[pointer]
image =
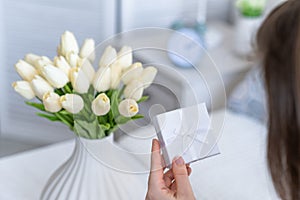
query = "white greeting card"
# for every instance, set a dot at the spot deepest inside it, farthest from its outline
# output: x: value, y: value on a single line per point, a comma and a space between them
x: 184, y: 132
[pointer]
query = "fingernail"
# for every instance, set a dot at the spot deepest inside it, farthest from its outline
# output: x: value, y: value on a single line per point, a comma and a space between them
x: 179, y: 161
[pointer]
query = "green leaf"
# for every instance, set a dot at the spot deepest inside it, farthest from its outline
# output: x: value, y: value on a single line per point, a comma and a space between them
x: 113, y: 129
x: 49, y: 117
x: 79, y: 116
x: 105, y: 127
x: 65, y: 120
x: 122, y: 120
x: 142, y: 99
x: 70, y: 86
x: 64, y: 112
x: 91, y: 90
x: 67, y: 89
x: 115, y: 103
x: 114, y: 110
x: 80, y: 131
x: 102, y: 119
x: 109, y: 93
x: 59, y: 92
x: 100, y: 132
x: 38, y: 106
x: 92, y: 129
x: 67, y: 115
x: 137, y: 117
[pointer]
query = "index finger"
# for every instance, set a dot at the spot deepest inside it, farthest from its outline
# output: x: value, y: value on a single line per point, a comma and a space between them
x: 156, y: 172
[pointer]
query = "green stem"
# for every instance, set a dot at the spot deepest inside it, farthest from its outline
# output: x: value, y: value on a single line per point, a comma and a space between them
x: 59, y: 92
x: 64, y: 120
x: 67, y: 89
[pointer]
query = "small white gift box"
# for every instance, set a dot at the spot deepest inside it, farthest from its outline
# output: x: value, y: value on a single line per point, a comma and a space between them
x: 184, y: 132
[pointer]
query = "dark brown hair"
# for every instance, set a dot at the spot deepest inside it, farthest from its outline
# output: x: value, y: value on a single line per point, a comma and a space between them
x: 278, y: 43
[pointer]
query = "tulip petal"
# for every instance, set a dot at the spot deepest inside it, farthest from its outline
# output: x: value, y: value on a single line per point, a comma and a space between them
x: 101, y: 105
x: 128, y: 108
x: 56, y: 77
x: 61, y: 63
x: 31, y: 58
x: 102, y: 79
x: 133, y: 72
x: 88, y: 50
x: 134, y: 90
x: 116, y: 71
x: 24, y: 89
x: 79, y: 80
x: 72, y: 103
x: 40, y: 86
x: 108, y: 57
x: 42, y: 62
x: 87, y: 68
x: 148, y: 75
x: 68, y: 43
x: 125, y: 57
x: 51, y: 102
x: 25, y: 70
x: 72, y: 59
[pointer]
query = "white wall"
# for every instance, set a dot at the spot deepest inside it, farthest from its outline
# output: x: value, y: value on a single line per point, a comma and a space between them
x: 35, y: 26
x: 141, y: 13
x: 273, y: 3
x: 2, y: 57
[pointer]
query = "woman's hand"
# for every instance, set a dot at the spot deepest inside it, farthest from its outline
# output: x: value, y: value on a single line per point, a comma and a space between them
x: 172, y: 185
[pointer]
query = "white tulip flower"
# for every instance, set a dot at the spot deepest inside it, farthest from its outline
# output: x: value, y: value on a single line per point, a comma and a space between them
x: 79, y: 80
x: 125, y: 57
x: 25, y: 70
x: 31, y: 58
x: 148, y: 75
x: 24, y: 89
x: 134, y: 90
x: 128, y: 108
x: 56, y: 77
x: 51, y: 102
x: 88, y: 49
x: 87, y: 68
x: 61, y: 63
x: 133, y: 72
x: 102, y: 79
x: 40, y: 86
x: 116, y: 72
x: 108, y: 57
x: 72, y: 59
x: 68, y: 43
x: 101, y: 105
x: 42, y: 62
x: 72, y: 103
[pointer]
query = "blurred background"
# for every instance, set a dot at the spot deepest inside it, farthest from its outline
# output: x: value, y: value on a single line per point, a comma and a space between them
x: 36, y: 25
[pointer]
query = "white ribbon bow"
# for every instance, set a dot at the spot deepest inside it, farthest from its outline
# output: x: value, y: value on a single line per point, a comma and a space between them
x: 187, y: 142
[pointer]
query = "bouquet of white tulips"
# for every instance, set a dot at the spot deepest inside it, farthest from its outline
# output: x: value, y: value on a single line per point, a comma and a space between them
x: 91, y: 103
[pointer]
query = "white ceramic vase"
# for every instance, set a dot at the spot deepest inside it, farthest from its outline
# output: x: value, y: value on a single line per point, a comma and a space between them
x: 245, y: 34
x: 81, y: 176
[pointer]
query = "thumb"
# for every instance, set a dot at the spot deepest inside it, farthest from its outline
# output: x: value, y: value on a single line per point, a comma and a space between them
x: 180, y: 172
